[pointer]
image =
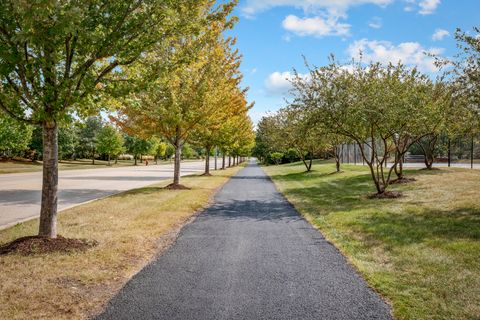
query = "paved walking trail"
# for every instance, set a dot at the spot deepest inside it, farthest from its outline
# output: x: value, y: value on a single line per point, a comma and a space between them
x: 249, y: 256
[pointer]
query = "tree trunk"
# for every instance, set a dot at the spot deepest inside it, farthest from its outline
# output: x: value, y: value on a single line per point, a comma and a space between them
x: 399, y: 166
x: 109, y: 160
x: 223, y: 161
x: 176, y: 165
x: 116, y: 159
x: 216, y: 158
x: 229, y: 161
x: 48, y: 211
x: 207, y: 161
x: 135, y: 157
x: 93, y: 156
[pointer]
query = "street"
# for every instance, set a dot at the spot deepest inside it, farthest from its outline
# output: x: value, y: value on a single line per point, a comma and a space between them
x: 20, y: 193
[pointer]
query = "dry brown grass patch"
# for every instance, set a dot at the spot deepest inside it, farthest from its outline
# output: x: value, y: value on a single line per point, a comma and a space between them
x: 130, y: 228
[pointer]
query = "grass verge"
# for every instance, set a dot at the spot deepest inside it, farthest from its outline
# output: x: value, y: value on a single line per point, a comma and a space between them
x: 22, y: 166
x: 421, y: 251
x: 131, y: 229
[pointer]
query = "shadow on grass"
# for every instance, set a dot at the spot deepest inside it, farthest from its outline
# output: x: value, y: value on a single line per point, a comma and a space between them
x: 340, y: 191
x: 427, y: 225
x: 324, y: 194
x: 143, y: 191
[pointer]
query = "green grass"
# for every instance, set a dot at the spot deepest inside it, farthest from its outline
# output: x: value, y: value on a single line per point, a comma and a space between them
x: 421, y: 251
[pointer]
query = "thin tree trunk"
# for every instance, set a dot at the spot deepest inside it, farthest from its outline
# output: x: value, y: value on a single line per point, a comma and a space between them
x: 207, y: 161
x: 223, y: 161
x: 93, y: 156
x: 109, y: 159
x: 176, y: 166
x: 216, y: 158
x: 48, y: 211
x: 116, y: 159
x: 135, y: 157
x: 229, y: 161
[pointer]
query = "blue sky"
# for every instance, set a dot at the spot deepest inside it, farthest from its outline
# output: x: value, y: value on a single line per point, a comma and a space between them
x: 274, y: 34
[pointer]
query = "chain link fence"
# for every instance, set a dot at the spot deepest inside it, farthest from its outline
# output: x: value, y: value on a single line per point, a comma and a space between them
x: 461, y: 152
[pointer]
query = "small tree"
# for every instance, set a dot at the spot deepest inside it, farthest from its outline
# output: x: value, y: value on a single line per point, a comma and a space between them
x: 110, y: 142
x: 277, y: 157
x: 137, y: 146
x: 14, y: 136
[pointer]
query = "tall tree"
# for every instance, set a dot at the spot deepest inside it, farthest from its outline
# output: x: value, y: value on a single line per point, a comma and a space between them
x: 174, y: 102
x: 57, y: 54
x: 109, y: 142
x: 88, y: 136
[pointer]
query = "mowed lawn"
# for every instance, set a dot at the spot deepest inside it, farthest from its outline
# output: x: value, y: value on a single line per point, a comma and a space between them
x: 421, y: 251
x: 15, y: 166
x: 131, y: 229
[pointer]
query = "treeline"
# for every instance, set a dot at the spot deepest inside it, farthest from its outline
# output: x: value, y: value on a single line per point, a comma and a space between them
x: 384, y: 110
x: 160, y: 69
x: 92, y: 138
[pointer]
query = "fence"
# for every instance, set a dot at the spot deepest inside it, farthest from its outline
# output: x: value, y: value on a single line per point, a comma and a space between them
x: 457, y: 152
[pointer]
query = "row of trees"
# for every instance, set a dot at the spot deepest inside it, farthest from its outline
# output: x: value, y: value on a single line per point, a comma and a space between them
x: 383, y: 109
x: 90, y: 139
x: 162, y: 68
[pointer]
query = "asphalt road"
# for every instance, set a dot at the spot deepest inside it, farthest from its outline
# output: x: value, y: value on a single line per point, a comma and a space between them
x: 20, y: 193
x: 248, y: 256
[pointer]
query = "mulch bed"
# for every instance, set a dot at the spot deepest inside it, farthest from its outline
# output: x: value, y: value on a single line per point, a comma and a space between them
x: 386, y: 195
x: 177, y: 187
x: 38, y: 245
x: 403, y: 181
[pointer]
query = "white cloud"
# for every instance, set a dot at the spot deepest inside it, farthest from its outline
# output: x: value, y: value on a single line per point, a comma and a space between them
x: 428, y: 6
x: 440, y: 34
x: 410, y: 53
x: 424, y: 7
x: 338, y: 6
x: 278, y: 83
x: 375, y: 23
x: 253, y: 71
x: 316, y: 26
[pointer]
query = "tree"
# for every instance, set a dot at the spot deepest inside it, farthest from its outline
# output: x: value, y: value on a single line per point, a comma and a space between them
x: 68, y: 141
x: 361, y: 103
x: 269, y: 138
x: 159, y: 149
x: 277, y: 157
x: 15, y: 136
x: 57, y: 55
x: 187, y: 151
x: 137, y: 146
x: 109, y: 142
x: 88, y: 136
x: 173, y: 100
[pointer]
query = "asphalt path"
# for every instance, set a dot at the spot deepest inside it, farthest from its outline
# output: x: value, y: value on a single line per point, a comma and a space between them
x: 248, y: 256
x: 20, y: 193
